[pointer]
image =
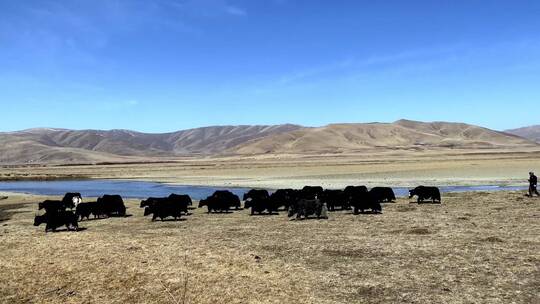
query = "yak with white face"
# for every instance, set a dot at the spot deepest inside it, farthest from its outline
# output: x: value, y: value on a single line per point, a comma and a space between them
x: 72, y: 199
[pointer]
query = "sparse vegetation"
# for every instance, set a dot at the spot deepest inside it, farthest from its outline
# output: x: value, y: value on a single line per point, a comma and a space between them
x: 424, y: 255
x: 330, y: 171
x: 419, y: 231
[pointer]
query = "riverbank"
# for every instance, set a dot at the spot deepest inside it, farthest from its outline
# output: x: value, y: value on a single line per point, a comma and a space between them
x: 143, y: 189
x: 475, y: 247
x: 329, y: 171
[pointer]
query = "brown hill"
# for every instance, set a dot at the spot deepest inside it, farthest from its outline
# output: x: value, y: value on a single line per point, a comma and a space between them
x: 93, y: 146
x: 400, y: 134
x: 15, y: 150
x: 530, y: 133
x: 61, y: 145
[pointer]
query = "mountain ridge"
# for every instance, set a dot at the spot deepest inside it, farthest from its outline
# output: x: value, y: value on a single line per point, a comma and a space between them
x: 528, y: 132
x: 57, y: 145
x: 352, y: 137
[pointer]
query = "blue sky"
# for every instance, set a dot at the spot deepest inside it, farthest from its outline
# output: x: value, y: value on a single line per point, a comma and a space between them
x: 165, y: 65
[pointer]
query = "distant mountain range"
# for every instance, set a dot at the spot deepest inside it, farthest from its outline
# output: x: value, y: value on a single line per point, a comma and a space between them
x: 89, y: 146
x: 96, y: 146
x: 530, y: 133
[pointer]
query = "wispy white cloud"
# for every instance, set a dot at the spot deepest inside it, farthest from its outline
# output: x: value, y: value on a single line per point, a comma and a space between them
x: 233, y: 10
x: 52, y: 26
x: 314, y: 71
x: 131, y: 102
x: 422, y: 61
x: 56, y: 34
x: 349, y: 64
x: 116, y: 105
x: 205, y: 8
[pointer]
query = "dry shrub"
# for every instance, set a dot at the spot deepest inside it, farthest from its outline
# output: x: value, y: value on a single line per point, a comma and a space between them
x: 405, y: 208
x: 493, y: 239
x: 348, y: 253
x: 419, y: 231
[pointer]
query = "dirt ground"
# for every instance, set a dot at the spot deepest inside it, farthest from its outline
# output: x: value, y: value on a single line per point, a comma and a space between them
x: 474, y: 248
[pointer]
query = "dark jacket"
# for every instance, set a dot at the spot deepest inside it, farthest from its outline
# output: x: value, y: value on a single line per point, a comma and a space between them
x: 533, y: 180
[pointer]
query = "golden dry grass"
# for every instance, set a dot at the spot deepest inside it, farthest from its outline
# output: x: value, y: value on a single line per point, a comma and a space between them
x: 474, y: 248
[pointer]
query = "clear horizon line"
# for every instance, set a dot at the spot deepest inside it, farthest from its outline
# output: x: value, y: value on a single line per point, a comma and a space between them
x: 254, y: 125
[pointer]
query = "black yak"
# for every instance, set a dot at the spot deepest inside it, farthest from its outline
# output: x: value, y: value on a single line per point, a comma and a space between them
x: 426, y: 193
x: 311, y: 192
x: 258, y: 201
x: 54, y: 206
x: 83, y: 210
x: 228, y: 196
x: 215, y: 204
x: 282, y: 198
x: 382, y: 194
x: 335, y: 198
x: 305, y: 208
x: 72, y: 199
x: 221, y: 200
x: 164, y: 210
x: 182, y: 200
x: 53, y: 220
x: 112, y: 204
x: 360, y: 200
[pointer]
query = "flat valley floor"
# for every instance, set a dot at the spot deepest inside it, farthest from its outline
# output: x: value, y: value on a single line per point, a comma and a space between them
x: 394, y: 168
x: 473, y: 248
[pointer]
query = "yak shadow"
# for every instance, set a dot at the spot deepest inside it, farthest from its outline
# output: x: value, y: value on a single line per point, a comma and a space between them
x: 365, y: 212
x: 425, y: 203
x: 337, y: 210
x: 119, y: 216
x: 264, y: 214
x: 169, y: 220
x: 92, y: 219
x: 105, y: 218
x: 63, y: 230
x: 309, y: 218
x: 220, y: 212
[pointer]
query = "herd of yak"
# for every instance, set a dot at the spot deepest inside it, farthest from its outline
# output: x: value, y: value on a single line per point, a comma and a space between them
x: 308, y: 201
x: 57, y: 213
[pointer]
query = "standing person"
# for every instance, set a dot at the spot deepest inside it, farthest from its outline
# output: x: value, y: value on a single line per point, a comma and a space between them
x: 533, y: 180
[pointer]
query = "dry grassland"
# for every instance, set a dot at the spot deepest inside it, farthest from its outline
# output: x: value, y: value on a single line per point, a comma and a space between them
x: 474, y: 248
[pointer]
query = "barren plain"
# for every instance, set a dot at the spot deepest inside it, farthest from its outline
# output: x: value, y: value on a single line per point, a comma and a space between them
x: 474, y: 248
